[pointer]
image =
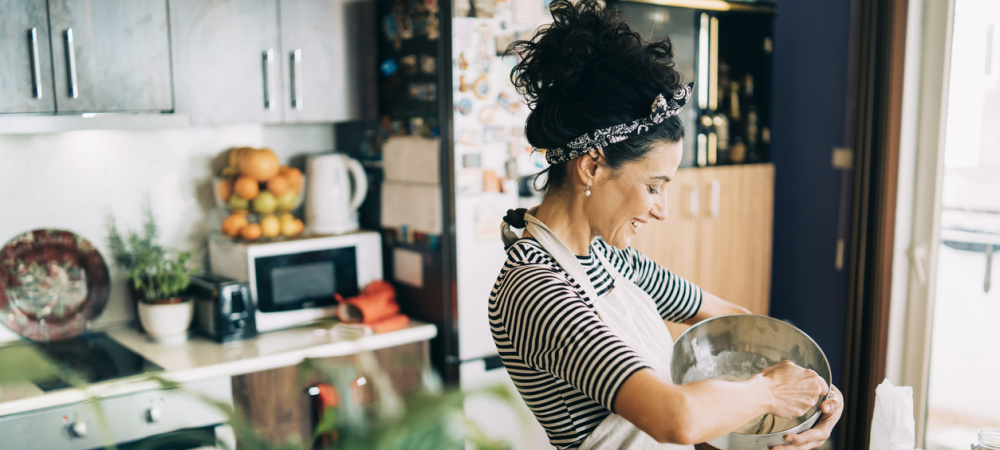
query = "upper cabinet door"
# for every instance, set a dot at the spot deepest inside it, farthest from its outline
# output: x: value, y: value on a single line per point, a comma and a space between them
x: 318, y: 62
x: 110, y: 55
x: 226, y: 60
x: 25, y: 58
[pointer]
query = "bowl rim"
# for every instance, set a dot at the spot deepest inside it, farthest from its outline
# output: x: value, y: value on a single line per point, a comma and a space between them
x: 826, y: 361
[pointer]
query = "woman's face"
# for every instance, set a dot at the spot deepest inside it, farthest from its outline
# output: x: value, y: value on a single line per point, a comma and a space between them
x: 623, y: 200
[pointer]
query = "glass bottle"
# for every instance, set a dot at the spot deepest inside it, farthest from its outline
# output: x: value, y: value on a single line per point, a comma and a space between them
x: 989, y: 439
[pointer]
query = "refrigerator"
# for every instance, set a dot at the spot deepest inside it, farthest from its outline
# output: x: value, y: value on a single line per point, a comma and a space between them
x: 447, y: 155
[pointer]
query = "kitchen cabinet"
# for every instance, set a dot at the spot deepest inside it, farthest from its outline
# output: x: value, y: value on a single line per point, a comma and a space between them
x: 264, y: 61
x: 718, y: 232
x: 25, y: 58
x: 110, y: 55
x: 277, y: 404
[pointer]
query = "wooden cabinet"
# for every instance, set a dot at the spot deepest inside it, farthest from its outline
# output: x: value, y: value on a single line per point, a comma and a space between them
x: 25, y: 58
x: 84, y: 56
x: 264, y: 61
x: 718, y: 232
x: 110, y: 55
x: 276, y: 402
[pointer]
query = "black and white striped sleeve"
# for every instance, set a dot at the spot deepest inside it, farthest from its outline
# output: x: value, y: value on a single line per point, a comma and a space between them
x: 676, y: 299
x: 553, y: 330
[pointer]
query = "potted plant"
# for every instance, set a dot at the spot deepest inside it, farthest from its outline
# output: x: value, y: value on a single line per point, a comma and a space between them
x: 157, y: 279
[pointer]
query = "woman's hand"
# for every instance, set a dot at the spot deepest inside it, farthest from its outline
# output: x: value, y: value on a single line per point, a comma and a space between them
x: 832, y: 408
x: 794, y: 389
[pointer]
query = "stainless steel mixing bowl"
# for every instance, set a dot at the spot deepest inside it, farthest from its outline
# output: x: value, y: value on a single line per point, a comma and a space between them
x: 737, y: 347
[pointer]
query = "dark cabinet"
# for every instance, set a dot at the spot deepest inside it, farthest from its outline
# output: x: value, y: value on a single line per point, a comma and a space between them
x: 110, y: 55
x: 25, y: 58
x: 78, y: 56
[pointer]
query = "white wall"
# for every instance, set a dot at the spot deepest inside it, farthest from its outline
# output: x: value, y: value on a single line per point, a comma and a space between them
x: 74, y: 180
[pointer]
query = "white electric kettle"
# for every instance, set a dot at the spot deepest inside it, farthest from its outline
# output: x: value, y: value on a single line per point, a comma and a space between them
x: 337, y: 185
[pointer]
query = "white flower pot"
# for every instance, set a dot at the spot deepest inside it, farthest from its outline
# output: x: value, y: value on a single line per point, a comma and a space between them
x: 167, y: 323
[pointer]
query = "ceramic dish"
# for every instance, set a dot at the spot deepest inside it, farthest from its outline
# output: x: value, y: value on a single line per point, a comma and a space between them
x: 53, y: 284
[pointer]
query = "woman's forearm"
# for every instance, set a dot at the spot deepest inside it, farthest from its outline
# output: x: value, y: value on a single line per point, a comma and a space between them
x: 695, y: 412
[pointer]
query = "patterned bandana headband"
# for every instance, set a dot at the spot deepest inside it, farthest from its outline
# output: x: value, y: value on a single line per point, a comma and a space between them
x: 662, y: 109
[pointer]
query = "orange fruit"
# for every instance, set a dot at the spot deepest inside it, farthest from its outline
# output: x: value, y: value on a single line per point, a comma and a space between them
x: 224, y: 189
x: 270, y: 225
x: 246, y: 187
x: 278, y: 185
x: 251, y: 232
x: 232, y: 225
x: 294, y: 177
x: 261, y: 164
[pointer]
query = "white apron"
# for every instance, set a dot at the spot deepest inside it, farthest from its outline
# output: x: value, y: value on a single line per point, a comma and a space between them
x: 631, y: 314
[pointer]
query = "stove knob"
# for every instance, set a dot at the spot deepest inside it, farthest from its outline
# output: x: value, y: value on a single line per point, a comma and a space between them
x: 78, y: 429
x: 152, y: 414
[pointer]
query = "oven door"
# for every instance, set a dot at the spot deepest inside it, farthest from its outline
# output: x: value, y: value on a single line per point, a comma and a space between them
x: 129, y: 419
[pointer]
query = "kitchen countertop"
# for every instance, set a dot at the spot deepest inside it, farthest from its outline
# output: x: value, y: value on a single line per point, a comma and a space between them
x: 200, y: 358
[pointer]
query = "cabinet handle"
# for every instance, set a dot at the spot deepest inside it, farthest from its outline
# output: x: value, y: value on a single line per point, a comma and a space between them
x: 716, y: 194
x: 74, y: 92
x: 296, y: 72
x: 268, y: 55
x: 36, y: 70
x: 692, y: 202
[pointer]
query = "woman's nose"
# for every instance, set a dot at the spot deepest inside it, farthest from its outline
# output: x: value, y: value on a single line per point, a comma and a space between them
x: 659, y: 211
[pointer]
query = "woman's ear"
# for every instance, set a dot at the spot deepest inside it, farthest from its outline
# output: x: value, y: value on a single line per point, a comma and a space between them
x: 588, y: 165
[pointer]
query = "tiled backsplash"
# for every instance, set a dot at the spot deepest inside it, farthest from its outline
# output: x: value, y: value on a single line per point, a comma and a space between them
x: 74, y: 180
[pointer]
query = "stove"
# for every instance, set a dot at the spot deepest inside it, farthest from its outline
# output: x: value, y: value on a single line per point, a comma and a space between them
x: 91, y: 358
x: 187, y: 416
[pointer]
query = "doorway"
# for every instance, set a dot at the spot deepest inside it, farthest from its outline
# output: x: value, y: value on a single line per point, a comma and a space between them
x: 952, y: 354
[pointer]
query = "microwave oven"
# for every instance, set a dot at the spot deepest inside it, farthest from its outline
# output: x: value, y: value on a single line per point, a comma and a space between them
x: 293, y: 282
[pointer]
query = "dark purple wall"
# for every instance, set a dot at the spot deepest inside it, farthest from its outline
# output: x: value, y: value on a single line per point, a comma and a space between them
x: 812, y: 88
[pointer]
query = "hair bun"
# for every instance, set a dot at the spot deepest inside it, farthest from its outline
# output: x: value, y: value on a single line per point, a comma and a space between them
x: 587, y: 70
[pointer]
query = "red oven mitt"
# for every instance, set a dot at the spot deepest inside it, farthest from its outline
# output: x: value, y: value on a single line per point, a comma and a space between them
x: 375, y: 306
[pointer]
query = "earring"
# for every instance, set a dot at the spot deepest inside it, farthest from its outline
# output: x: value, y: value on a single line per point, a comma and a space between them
x: 587, y: 192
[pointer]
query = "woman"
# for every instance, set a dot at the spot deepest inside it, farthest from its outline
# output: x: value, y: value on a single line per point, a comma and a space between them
x: 578, y: 316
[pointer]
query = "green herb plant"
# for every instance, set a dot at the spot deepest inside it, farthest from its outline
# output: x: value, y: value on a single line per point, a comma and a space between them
x: 155, y: 273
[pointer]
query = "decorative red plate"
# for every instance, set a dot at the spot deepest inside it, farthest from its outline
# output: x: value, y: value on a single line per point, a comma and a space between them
x: 53, y: 284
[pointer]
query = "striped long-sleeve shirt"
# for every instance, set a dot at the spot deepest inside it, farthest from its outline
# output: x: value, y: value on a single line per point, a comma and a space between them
x: 565, y: 362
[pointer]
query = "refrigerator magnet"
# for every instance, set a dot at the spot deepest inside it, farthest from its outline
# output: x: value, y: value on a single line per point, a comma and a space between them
x: 483, y: 9
x: 389, y: 26
x: 428, y: 64
x: 472, y: 160
x: 508, y: 102
x: 388, y: 67
x: 409, y: 64
x: 487, y: 115
x: 481, y: 87
x: 494, y: 134
x: 502, y: 42
x: 419, y: 26
x: 464, y: 106
x: 433, y: 29
x: 470, y: 136
x: 405, y: 27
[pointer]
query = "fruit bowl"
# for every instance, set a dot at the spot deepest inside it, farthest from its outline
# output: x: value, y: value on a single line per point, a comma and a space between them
x: 290, y: 203
x: 256, y: 197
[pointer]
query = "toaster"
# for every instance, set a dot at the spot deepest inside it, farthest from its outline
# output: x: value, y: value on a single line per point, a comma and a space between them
x: 224, y: 309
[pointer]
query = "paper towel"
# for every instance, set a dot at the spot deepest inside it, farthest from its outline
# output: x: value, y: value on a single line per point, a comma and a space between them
x: 893, y: 426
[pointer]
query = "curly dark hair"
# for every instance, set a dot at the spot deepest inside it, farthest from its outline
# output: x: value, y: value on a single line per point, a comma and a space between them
x: 588, y: 70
